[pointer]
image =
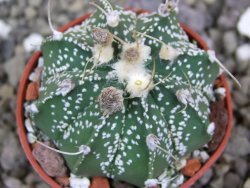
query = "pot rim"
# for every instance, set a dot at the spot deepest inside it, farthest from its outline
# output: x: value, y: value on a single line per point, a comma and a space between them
x: 21, y: 99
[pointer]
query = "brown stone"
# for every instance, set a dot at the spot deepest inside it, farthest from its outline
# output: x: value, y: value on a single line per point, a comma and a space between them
x: 98, y: 182
x: 192, y: 166
x: 32, y: 91
x: 51, y: 162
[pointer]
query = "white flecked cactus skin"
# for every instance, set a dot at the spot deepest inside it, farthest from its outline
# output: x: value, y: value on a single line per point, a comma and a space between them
x: 164, y: 88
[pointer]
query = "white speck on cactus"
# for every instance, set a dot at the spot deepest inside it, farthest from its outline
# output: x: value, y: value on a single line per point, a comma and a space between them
x: 167, y: 52
x: 65, y: 87
x: 28, y: 125
x: 184, y: 96
x: 76, y: 182
x: 139, y: 84
x: 152, y: 142
x: 102, y: 54
x: 211, y: 128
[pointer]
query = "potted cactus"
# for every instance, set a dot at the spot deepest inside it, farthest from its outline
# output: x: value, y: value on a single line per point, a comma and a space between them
x: 122, y: 96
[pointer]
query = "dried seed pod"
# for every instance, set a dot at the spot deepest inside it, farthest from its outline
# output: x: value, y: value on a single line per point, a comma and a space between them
x: 102, y: 36
x: 131, y: 54
x: 110, y: 100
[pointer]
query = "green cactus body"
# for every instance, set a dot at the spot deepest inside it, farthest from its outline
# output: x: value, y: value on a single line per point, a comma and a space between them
x: 118, y: 142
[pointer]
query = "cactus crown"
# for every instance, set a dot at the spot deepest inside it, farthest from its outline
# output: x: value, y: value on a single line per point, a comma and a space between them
x: 132, y: 88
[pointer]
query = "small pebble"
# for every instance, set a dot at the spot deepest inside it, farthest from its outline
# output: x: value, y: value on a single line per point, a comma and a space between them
x: 32, y: 91
x: 50, y: 161
x: 193, y: 165
x: 32, y: 42
x: 99, y: 182
x: 5, y: 29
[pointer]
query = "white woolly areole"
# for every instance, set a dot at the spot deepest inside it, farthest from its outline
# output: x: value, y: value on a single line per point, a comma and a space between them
x: 221, y: 91
x: 57, y: 35
x: 143, y: 52
x: 243, y: 24
x: 152, y: 142
x: 211, y: 128
x: 113, y: 18
x: 139, y: 84
x: 85, y: 149
x: 79, y: 182
x: 102, y: 54
x: 151, y: 183
x: 65, y: 87
x: 212, y: 56
x: 167, y: 52
x: 184, y: 96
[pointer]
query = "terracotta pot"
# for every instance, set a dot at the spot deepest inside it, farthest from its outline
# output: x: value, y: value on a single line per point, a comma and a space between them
x: 21, y: 99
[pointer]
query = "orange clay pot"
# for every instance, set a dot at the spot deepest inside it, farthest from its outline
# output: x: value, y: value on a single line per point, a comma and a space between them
x: 21, y: 99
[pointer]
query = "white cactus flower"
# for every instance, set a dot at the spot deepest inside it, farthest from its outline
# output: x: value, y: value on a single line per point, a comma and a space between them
x: 167, y: 52
x: 113, y: 18
x: 124, y: 70
x: 139, y: 84
x: 102, y: 54
x: 76, y: 182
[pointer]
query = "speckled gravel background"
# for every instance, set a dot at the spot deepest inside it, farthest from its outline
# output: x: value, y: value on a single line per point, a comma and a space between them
x: 215, y: 20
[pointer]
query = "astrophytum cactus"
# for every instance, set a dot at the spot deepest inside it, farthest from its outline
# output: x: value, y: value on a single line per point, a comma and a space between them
x: 127, y: 95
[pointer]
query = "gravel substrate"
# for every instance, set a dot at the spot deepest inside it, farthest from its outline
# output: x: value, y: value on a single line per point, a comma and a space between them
x: 26, y: 20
